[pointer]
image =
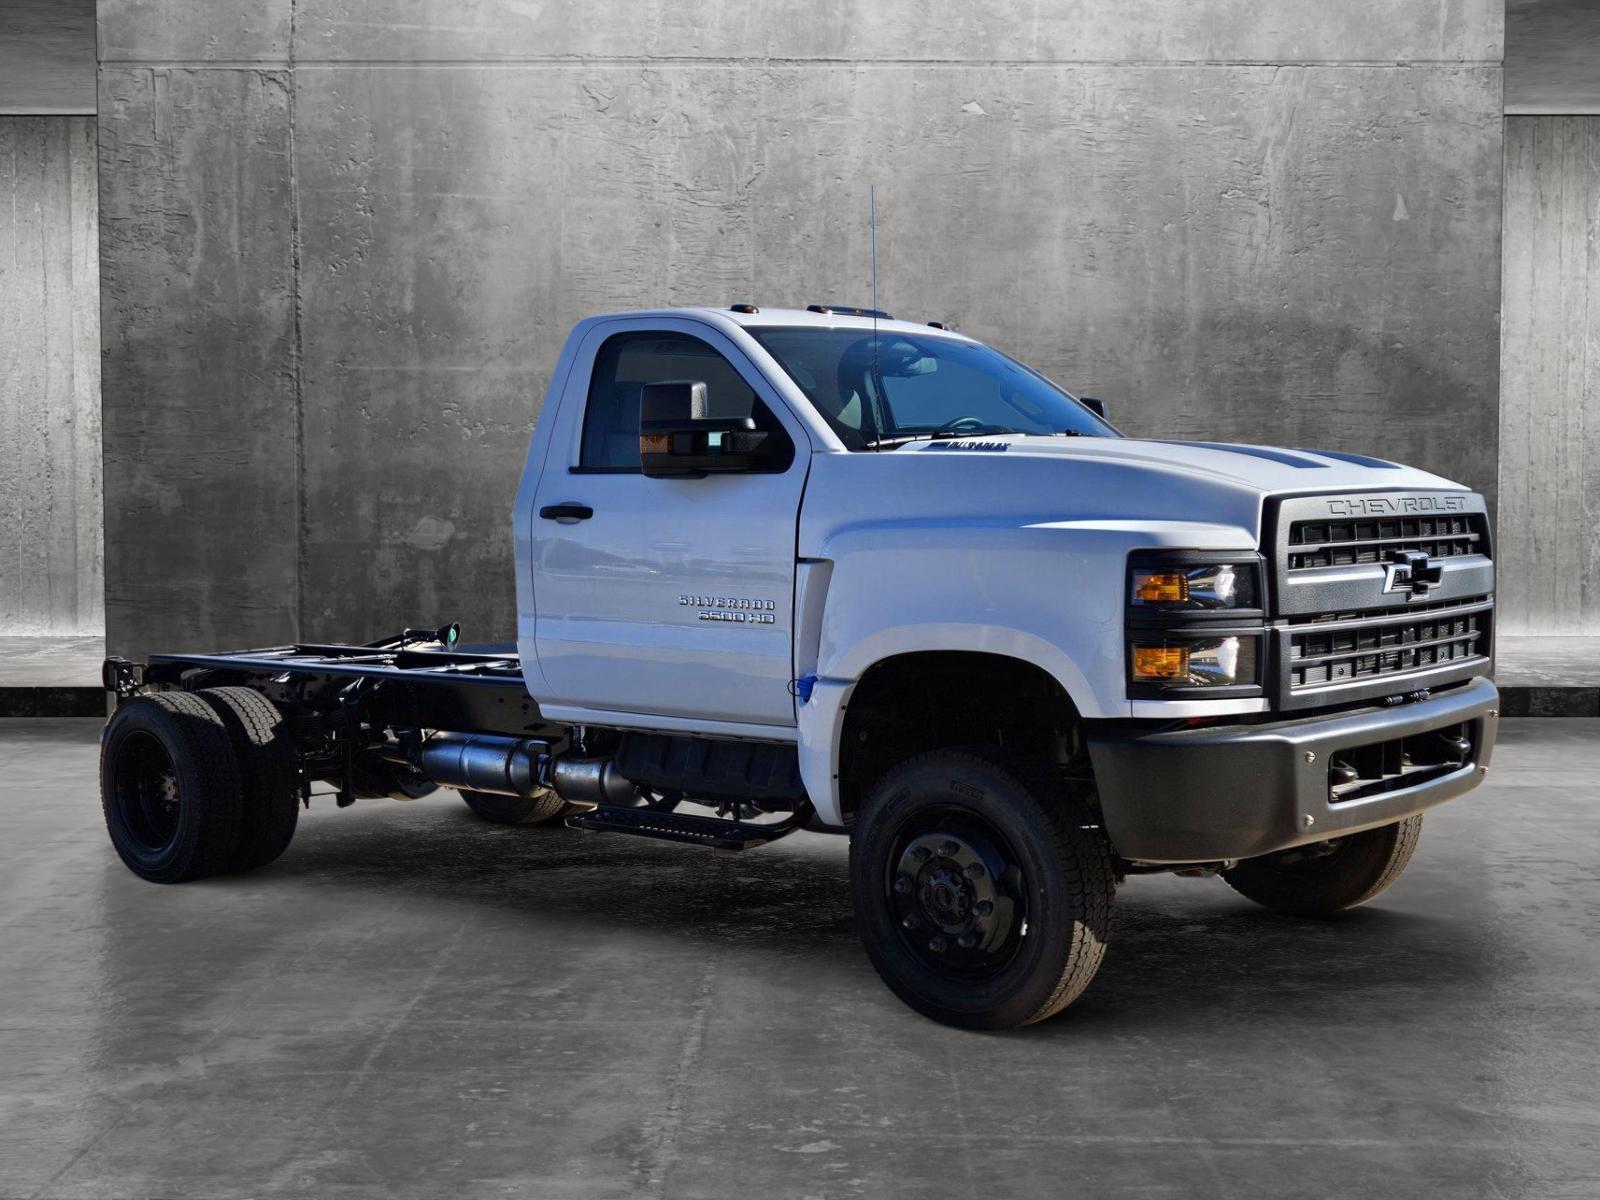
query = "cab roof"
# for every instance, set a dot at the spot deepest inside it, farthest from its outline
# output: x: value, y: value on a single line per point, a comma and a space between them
x: 767, y: 318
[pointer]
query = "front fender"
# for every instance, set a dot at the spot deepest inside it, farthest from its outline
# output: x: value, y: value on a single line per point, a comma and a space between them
x: 821, y: 715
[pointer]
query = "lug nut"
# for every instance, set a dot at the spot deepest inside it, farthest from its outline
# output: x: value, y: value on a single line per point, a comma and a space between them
x: 1310, y: 820
x: 922, y: 854
x: 966, y: 941
x: 1310, y: 757
x: 983, y: 907
x: 938, y: 943
x: 975, y: 870
x: 911, y: 921
x: 949, y: 849
x: 903, y: 884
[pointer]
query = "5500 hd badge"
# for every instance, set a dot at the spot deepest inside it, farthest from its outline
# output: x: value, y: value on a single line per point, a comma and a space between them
x: 738, y: 610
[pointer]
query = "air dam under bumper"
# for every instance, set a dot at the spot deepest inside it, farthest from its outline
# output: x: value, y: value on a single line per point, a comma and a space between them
x: 1235, y: 791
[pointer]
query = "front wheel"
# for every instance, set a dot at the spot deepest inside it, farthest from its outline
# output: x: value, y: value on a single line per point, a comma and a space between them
x: 1328, y: 877
x: 982, y: 897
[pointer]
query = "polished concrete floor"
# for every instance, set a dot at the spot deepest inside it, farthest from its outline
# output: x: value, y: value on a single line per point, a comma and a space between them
x: 414, y: 1004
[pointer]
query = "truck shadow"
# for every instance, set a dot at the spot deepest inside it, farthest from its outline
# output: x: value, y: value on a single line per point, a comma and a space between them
x: 1181, y: 951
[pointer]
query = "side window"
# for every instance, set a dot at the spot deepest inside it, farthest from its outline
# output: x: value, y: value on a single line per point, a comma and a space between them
x: 628, y: 361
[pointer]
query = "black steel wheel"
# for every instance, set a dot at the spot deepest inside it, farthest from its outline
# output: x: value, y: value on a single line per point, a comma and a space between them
x: 169, y: 787
x: 983, y: 898
x: 542, y: 809
x: 1323, y: 878
x: 957, y: 890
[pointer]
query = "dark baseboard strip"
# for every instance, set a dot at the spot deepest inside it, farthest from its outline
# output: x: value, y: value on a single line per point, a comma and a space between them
x: 1539, y: 701
x: 52, y: 702
x: 1549, y: 701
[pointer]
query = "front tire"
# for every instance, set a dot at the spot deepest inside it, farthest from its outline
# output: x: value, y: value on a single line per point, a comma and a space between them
x: 541, y: 809
x: 169, y: 787
x: 1328, y: 877
x: 983, y: 898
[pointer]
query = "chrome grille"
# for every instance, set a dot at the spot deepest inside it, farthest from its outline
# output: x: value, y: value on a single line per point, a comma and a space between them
x: 1347, y: 542
x: 1337, y: 648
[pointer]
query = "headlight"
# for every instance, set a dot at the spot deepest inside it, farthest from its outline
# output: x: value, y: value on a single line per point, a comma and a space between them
x: 1195, y: 624
x: 1202, y: 586
x: 1203, y: 662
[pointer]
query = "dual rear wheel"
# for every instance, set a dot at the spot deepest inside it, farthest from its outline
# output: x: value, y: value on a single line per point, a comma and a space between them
x: 197, y: 784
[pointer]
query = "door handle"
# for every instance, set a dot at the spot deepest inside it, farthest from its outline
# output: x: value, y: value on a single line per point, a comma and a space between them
x: 566, y: 512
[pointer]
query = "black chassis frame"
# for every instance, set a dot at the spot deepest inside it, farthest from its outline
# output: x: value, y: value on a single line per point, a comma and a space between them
x: 399, y: 685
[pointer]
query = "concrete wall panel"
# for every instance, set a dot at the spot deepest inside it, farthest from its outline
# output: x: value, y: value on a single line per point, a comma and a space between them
x: 1111, y: 31
x: 1314, y: 261
x: 1549, y: 549
x: 47, y: 60
x: 1260, y: 228
x: 218, y: 31
x: 199, y: 372
x: 51, y: 567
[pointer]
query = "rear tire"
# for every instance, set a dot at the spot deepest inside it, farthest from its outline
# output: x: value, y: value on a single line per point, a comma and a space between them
x: 1328, y: 877
x: 269, y: 774
x: 169, y: 787
x: 982, y: 894
x: 542, y: 809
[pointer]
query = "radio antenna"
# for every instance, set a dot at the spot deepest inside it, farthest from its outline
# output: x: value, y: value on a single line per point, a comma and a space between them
x: 872, y: 224
x: 872, y: 211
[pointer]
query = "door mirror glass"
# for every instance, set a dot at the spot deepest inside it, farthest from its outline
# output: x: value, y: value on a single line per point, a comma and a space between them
x: 677, y: 439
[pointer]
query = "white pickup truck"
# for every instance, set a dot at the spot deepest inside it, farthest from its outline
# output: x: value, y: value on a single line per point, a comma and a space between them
x: 826, y: 570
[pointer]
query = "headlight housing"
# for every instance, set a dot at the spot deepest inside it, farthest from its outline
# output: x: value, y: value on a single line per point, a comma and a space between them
x: 1200, y: 587
x: 1195, y: 625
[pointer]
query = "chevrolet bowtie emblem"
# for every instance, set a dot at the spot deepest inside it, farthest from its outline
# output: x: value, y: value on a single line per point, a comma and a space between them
x: 1410, y: 571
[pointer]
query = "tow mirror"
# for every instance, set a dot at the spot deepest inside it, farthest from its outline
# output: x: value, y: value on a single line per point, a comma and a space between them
x: 678, y: 439
x: 1097, y: 407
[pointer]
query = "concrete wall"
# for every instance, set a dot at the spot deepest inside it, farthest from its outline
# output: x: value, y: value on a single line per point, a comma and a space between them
x: 1550, y: 57
x: 47, y: 57
x: 343, y: 240
x: 1549, y: 553
x: 50, y: 550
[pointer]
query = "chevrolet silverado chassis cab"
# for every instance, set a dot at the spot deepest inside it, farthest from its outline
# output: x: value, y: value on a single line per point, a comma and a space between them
x: 826, y: 570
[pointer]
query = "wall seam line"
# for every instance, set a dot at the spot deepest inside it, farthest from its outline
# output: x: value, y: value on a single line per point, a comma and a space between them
x: 298, y: 378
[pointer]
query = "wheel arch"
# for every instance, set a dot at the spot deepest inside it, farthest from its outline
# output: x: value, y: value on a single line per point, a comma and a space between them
x: 915, y: 700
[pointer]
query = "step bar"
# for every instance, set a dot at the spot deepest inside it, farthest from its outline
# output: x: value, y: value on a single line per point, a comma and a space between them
x: 668, y: 826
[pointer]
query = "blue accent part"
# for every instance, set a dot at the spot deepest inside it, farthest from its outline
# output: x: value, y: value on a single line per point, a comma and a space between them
x: 803, y: 686
x: 1285, y: 457
x: 1360, y: 460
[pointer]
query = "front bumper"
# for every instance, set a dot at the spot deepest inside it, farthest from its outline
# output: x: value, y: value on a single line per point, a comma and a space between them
x: 1222, y: 792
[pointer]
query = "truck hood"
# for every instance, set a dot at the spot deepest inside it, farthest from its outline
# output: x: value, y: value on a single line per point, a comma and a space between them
x: 1265, y: 469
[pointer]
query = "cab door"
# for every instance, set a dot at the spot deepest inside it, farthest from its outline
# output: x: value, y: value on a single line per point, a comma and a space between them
x: 665, y: 597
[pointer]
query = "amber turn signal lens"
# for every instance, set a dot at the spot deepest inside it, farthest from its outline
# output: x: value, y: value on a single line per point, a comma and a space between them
x: 1160, y: 662
x: 1160, y: 587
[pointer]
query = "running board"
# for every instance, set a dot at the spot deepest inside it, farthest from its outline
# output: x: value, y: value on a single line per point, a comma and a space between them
x: 684, y: 827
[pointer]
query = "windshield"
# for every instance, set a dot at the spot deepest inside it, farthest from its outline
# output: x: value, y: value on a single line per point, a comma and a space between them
x: 895, y: 387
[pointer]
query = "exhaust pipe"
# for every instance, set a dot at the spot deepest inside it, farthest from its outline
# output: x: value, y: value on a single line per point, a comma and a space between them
x: 478, y: 762
x: 593, y: 781
x: 508, y: 766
